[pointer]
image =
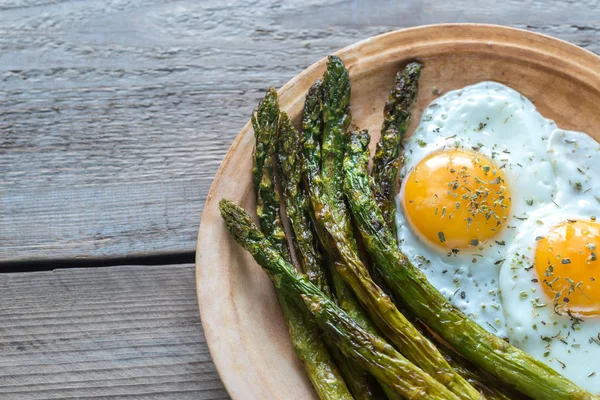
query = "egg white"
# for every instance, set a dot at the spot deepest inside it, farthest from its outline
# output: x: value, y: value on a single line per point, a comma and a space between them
x: 569, y: 346
x: 575, y: 158
x: 498, y: 122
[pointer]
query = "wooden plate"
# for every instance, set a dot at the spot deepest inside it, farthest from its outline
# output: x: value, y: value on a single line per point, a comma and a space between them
x: 240, y: 315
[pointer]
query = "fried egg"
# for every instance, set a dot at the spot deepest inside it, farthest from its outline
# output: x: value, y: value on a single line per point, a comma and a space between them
x: 550, y: 282
x: 474, y: 170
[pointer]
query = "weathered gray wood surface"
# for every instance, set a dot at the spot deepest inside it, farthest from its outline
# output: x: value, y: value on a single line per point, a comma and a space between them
x: 114, y: 115
x: 118, y: 332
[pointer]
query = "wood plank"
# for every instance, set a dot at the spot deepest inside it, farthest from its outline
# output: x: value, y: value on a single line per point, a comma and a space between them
x: 114, y: 115
x: 115, y: 332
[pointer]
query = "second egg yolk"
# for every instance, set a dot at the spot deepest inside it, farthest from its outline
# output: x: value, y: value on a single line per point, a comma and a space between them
x: 567, y: 266
x: 456, y: 199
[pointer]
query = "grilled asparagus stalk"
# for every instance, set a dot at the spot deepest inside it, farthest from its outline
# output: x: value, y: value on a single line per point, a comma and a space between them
x: 304, y: 333
x: 336, y: 119
x: 312, y: 125
x: 510, y: 365
x: 290, y: 162
x: 333, y: 222
x: 265, y: 120
x: 370, y: 351
x: 396, y: 118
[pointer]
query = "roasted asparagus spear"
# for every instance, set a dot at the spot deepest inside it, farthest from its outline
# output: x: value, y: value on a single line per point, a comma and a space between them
x: 373, y: 353
x: 289, y: 156
x: 312, y: 125
x: 265, y: 120
x: 396, y: 118
x: 510, y: 365
x: 304, y: 333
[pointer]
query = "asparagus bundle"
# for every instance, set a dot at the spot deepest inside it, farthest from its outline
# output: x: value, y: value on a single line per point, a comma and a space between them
x: 304, y: 334
x: 370, y: 351
x: 311, y: 140
x: 332, y: 218
x: 501, y: 360
x: 289, y: 156
x: 312, y: 125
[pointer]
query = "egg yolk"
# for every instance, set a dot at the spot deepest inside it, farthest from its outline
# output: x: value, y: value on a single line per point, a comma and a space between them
x: 567, y: 266
x: 456, y: 199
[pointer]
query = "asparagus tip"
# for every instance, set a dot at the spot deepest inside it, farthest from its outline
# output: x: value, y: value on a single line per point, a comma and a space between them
x: 272, y: 91
x: 238, y: 221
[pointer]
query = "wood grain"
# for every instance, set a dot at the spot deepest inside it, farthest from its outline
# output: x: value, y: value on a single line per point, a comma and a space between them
x: 114, y: 115
x: 119, y: 332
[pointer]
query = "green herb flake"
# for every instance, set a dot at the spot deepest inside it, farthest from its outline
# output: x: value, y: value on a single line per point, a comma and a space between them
x: 441, y: 237
x: 480, y: 127
x: 523, y: 295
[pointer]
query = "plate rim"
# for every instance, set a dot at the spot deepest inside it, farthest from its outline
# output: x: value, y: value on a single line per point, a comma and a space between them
x: 209, y: 322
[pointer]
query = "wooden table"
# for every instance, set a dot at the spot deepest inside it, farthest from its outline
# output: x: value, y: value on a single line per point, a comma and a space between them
x: 114, y: 116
